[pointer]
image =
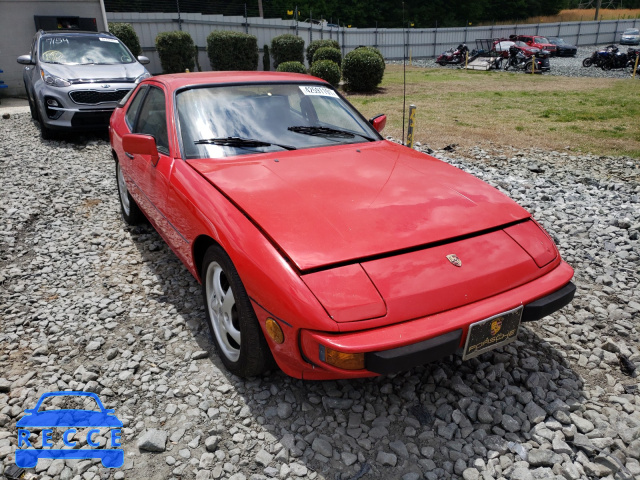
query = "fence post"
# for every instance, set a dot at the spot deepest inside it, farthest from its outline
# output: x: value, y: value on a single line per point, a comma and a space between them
x: 435, y: 39
x: 246, y: 20
x: 598, y: 32
x: 342, y: 39
x: 375, y: 43
x: 310, y: 25
x: 466, y: 29
x: 617, y: 27
x: 179, y: 19
x: 296, y: 18
x: 579, y: 28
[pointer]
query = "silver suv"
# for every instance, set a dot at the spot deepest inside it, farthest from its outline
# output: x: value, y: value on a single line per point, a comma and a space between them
x: 75, y: 79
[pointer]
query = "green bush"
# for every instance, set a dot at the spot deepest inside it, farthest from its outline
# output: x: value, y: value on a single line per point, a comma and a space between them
x: 266, y: 59
x: 287, y: 48
x: 327, y: 53
x: 326, y: 70
x: 362, y: 69
x: 232, y: 50
x: 176, y: 51
x: 317, y: 44
x: 127, y: 35
x: 292, y: 67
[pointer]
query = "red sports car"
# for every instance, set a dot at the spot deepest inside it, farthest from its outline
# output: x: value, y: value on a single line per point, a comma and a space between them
x: 319, y: 244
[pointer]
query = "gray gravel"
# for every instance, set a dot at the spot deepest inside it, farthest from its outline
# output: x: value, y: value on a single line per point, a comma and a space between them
x: 560, y: 66
x: 89, y: 304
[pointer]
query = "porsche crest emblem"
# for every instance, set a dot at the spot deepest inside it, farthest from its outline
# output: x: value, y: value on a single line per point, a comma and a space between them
x: 496, y: 325
x: 453, y: 258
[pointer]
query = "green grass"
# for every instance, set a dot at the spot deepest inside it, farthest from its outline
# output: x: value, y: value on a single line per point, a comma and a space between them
x: 594, y: 115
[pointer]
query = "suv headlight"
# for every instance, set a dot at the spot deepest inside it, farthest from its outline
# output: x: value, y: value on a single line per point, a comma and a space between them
x: 142, y: 77
x: 53, y: 80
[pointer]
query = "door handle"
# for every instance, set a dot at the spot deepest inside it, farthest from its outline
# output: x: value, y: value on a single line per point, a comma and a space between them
x: 128, y: 155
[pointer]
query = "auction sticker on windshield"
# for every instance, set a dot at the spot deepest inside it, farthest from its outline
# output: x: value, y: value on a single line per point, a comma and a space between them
x: 322, y: 91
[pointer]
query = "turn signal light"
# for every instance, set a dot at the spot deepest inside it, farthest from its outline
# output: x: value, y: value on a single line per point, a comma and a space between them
x: 274, y: 331
x: 347, y: 361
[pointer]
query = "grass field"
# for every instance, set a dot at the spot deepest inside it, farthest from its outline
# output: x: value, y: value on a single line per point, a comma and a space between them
x: 578, y: 15
x: 589, y: 115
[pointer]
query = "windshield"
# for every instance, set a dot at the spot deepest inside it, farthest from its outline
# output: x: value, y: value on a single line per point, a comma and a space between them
x: 224, y: 121
x: 541, y: 40
x: 632, y: 32
x: 83, y: 50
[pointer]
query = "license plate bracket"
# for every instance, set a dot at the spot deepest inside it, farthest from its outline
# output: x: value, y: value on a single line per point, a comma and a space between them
x: 492, y: 332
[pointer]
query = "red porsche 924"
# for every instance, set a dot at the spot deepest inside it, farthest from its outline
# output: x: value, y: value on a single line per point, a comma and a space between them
x: 320, y: 245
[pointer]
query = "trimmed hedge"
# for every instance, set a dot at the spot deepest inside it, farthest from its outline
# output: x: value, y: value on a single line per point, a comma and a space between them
x: 327, y: 53
x: 287, y: 48
x: 127, y: 35
x: 362, y: 69
x: 232, y: 50
x: 317, y: 44
x: 292, y: 67
x: 326, y: 70
x: 176, y: 51
x: 266, y: 59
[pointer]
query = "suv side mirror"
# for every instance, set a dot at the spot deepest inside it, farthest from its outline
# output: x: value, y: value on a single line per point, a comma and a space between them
x: 26, y: 60
x: 378, y: 122
x: 143, y: 60
x: 137, y: 144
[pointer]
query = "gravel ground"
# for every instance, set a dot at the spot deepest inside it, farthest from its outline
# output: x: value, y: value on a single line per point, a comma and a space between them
x: 560, y: 66
x: 89, y: 304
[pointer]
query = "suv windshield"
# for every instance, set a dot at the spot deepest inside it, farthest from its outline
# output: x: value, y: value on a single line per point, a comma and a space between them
x: 224, y: 121
x: 83, y: 50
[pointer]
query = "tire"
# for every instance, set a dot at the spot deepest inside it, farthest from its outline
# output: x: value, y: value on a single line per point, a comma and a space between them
x: 232, y: 322
x: 45, y: 132
x: 32, y: 108
x: 506, y: 65
x: 442, y: 62
x: 131, y: 213
x: 587, y: 62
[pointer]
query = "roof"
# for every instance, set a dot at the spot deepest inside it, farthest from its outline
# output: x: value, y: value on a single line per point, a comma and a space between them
x: 75, y: 32
x: 178, y: 80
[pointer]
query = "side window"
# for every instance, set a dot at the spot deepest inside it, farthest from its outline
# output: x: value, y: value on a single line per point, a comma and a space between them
x: 153, y: 119
x: 134, y: 107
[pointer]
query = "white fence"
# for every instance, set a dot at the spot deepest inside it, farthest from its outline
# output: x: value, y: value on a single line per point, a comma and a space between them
x: 421, y: 42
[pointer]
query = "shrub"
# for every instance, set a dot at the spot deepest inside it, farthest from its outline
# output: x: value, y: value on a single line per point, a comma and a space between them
x: 327, y: 53
x: 326, y: 70
x: 127, y: 35
x: 232, y: 50
x: 317, y: 44
x: 287, y: 48
x: 362, y: 69
x: 266, y: 59
x: 176, y: 51
x: 292, y: 67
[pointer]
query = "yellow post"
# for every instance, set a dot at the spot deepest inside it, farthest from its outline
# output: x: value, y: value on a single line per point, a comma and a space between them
x: 412, y: 124
x: 635, y: 67
x: 409, y: 56
x: 533, y: 64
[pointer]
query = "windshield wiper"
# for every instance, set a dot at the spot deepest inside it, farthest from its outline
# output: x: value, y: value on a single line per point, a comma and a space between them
x: 240, y: 142
x: 326, y: 132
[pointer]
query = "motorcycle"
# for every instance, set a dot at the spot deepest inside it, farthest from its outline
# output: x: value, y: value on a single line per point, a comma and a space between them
x: 518, y: 60
x: 456, y: 56
x: 615, y: 59
x: 600, y: 58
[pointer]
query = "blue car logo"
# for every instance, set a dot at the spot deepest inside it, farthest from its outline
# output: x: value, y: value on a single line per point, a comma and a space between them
x: 69, y: 419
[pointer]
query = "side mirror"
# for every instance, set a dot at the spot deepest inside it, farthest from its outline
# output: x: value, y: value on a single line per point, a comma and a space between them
x: 143, y: 60
x: 378, y: 122
x: 26, y: 60
x: 136, y: 144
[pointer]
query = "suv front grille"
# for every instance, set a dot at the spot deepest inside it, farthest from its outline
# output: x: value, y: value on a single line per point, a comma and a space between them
x: 94, y: 97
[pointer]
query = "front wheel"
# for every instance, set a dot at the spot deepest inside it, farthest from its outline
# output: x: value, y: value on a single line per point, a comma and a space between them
x: 442, y: 62
x: 233, y: 323
x: 587, y: 62
x: 131, y: 213
x: 45, y: 132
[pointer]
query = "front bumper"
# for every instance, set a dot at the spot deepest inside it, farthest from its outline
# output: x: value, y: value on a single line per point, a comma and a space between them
x: 91, y: 109
x: 402, y: 346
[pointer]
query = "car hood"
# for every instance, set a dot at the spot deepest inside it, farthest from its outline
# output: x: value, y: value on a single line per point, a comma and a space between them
x: 126, y: 72
x: 334, y: 205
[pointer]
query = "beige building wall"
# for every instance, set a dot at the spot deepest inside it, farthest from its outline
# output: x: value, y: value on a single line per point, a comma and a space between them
x: 17, y: 28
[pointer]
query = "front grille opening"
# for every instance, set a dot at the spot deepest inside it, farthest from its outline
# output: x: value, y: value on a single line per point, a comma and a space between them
x: 95, y: 97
